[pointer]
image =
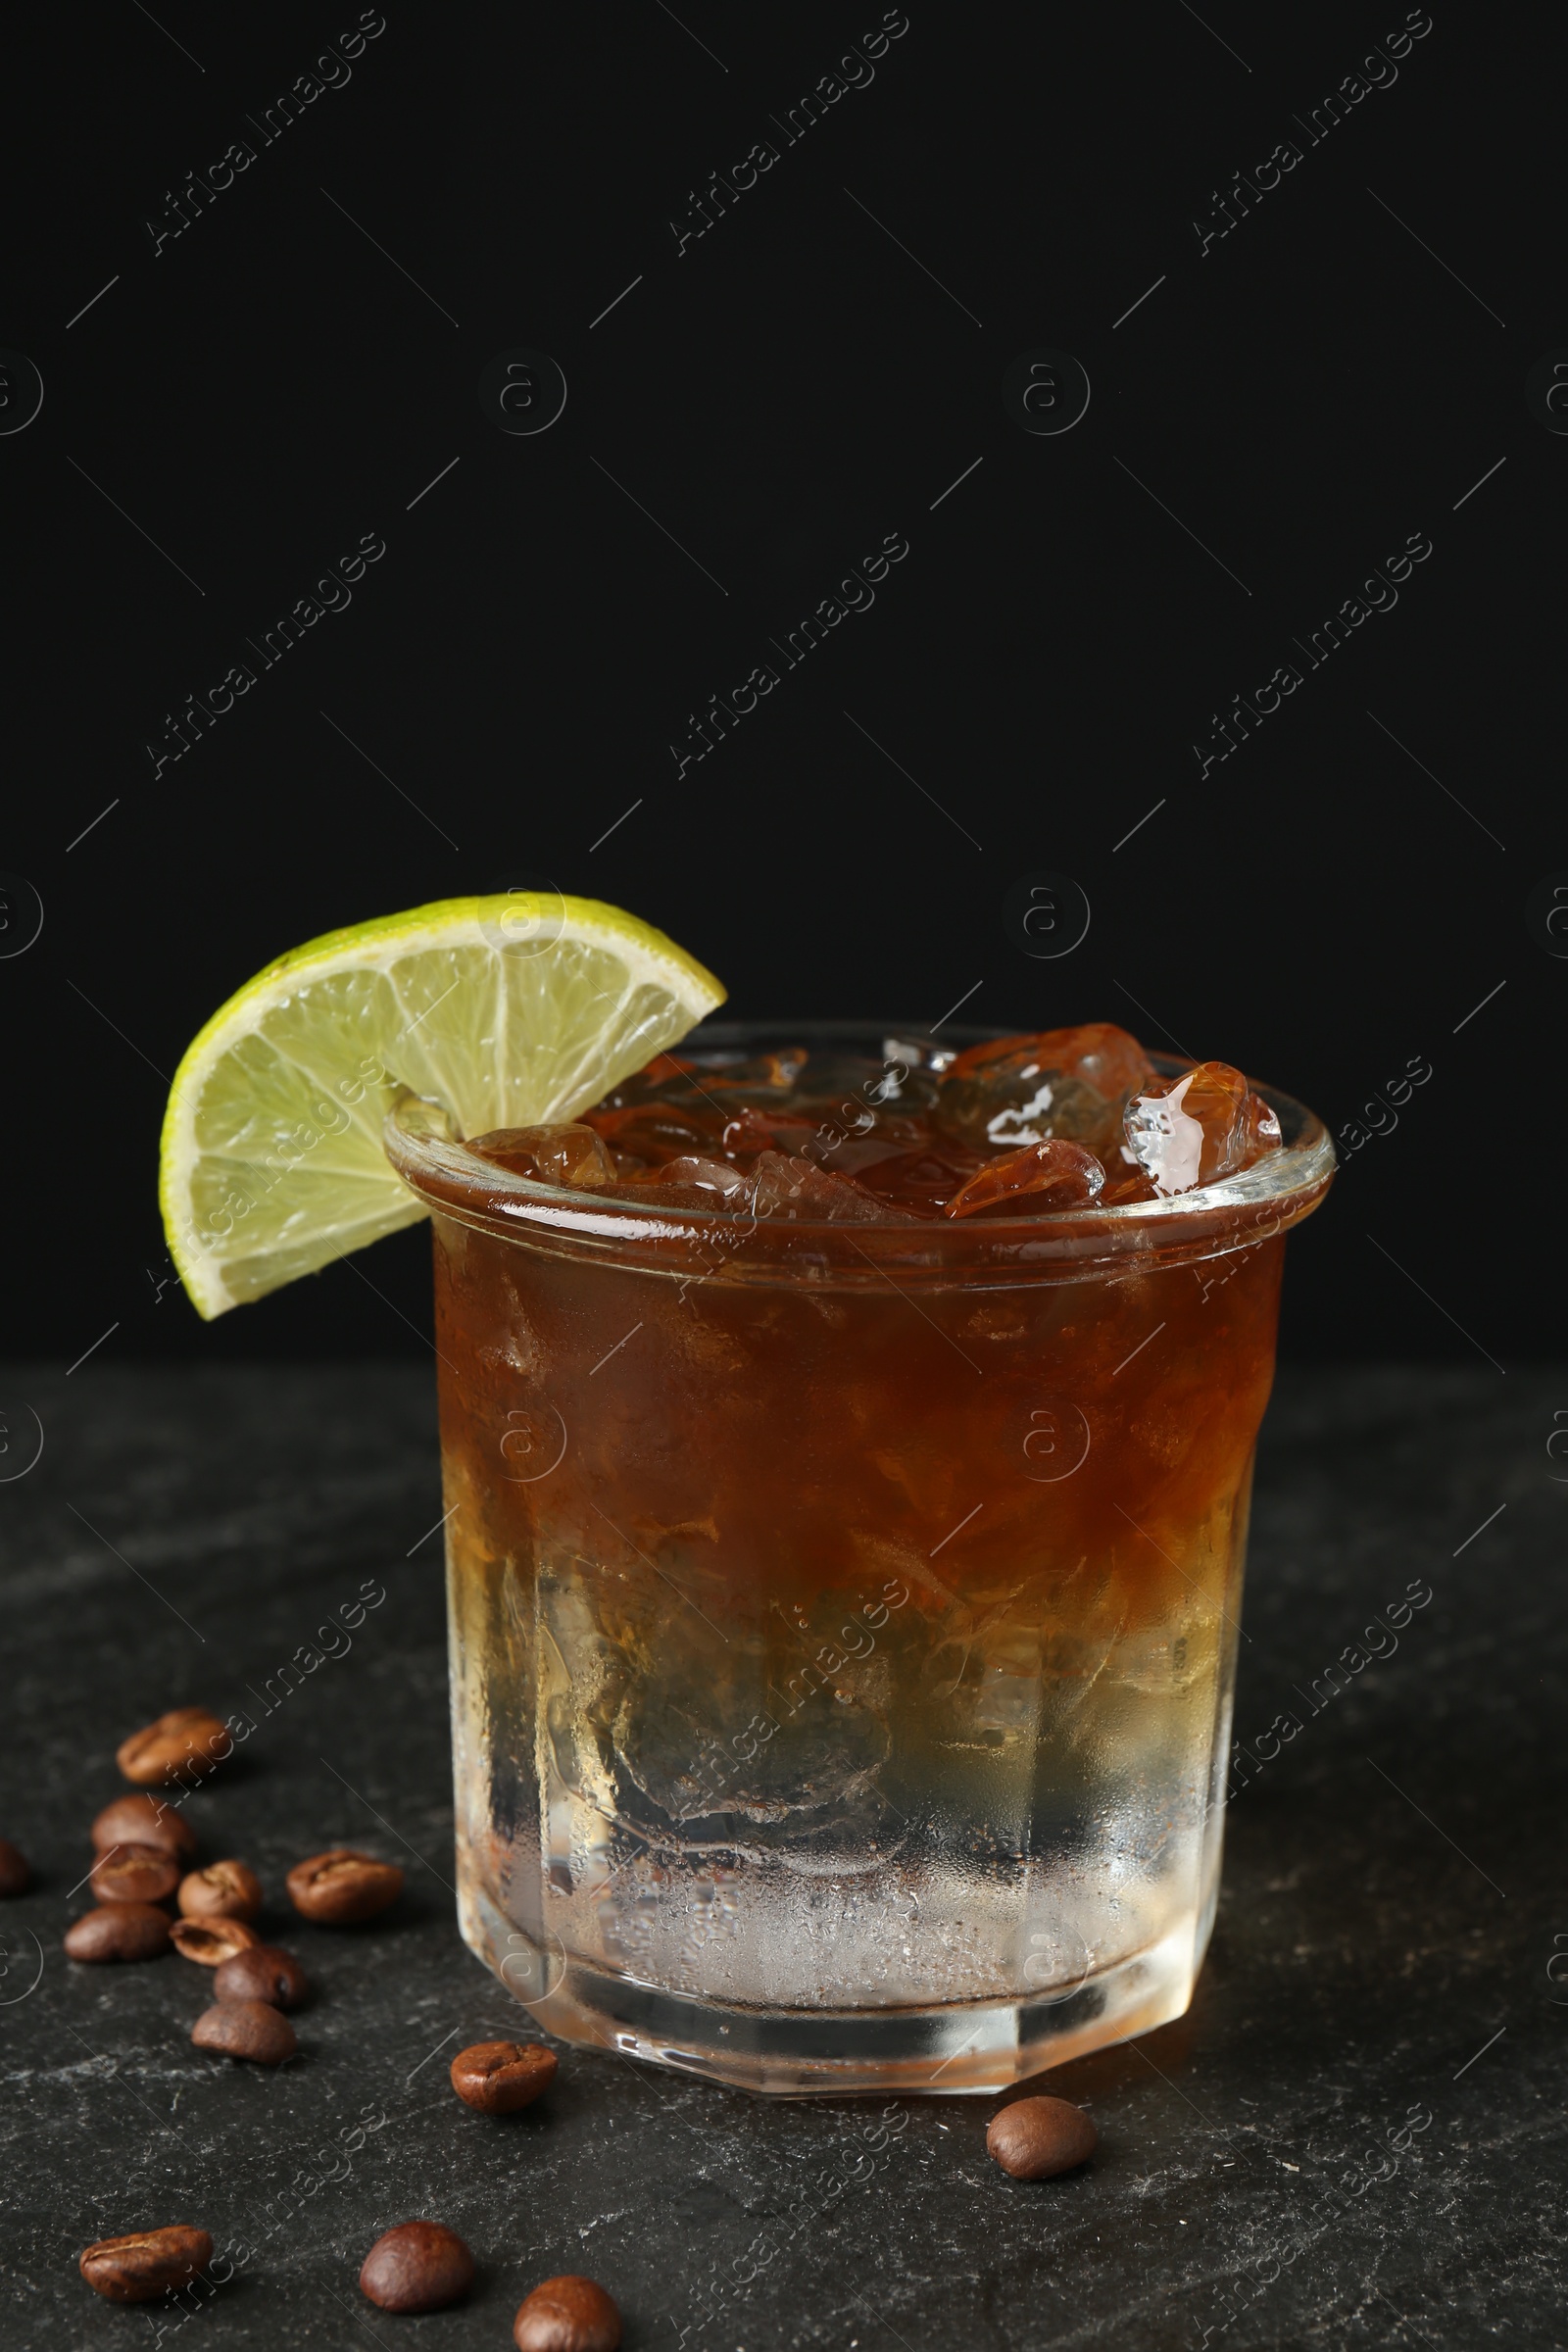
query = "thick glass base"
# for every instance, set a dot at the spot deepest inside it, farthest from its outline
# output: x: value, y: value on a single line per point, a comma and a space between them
x: 976, y: 2046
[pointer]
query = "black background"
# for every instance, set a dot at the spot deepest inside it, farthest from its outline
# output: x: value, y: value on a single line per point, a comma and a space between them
x: 791, y: 387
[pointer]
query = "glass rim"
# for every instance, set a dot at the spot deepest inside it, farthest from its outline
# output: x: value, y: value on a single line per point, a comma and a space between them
x: 1090, y: 1242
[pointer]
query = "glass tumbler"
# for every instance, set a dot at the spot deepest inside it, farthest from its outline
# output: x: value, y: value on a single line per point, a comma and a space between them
x: 844, y: 1617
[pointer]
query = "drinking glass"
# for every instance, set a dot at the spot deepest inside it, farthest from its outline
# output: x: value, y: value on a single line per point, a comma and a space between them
x: 844, y: 1616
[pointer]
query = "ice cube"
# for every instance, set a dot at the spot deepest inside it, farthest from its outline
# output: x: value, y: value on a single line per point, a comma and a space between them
x: 569, y: 1154
x: 744, y: 1134
x: 766, y: 1074
x: 785, y: 1187
x: 1040, y: 1179
x: 921, y: 1182
x: 1200, y: 1127
x: 704, y: 1085
x: 695, y: 1078
x: 723, y: 1186
x: 920, y: 1053
x: 889, y: 1138
x: 656, y: 1132
x: 1068, y: 1083
x: 1262, y: 1130
x: 651, y: 1135
x: 1127, y: 1190
x: 910, y: 1070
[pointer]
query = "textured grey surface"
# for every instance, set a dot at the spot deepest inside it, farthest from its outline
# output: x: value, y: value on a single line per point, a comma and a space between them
x: 1394, y: 1892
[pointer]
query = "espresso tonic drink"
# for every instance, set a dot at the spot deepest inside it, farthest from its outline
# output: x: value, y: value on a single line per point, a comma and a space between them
x: 847, y: 1441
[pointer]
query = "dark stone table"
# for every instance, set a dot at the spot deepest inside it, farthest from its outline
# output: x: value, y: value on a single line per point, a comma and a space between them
x: 1357, y: 2137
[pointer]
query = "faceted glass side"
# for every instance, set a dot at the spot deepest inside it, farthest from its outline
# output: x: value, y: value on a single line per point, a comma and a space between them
x: 842, y: 1684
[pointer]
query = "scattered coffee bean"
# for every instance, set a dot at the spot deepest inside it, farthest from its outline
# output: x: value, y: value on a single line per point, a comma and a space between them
x: 147, y: 2263
x: 16, y: 1872
x: 262, y: 1974
x: 118, y: 1932
x: 134, y: 1874
x: 500, y: 2077
x: 144, y: 1821
x: 567, y: 2315
x: 188, y: 1741
x: 222, y: 1890
x: 211, y: 1941
x: 420, y: 2265
x: 342, y: 1887
x: 245, y: 2030
x: 1035, y: 2139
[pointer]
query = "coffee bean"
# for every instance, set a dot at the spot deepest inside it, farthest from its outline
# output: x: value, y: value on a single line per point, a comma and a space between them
x: 144, y: 1821
x: 189, y: 1740
x: 342, y: 1887
x: 567, y: 2315
x: 211, y: 1941
x: 1035, y: 2139
x: 420, y: 2265
x: 134, y: 1874
x: 222, y: 1890
x: 16, y: 1872
x: 500, y: 2077
x: 252, y: 2029
x: 147, y: 2263
x: 118, y: 1932
x: 262, y: 1974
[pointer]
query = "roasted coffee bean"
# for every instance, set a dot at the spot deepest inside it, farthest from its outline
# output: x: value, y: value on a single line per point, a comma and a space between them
x: 222, y: 1890
x: 342, y: 1887
x: 1035, y: 2139
x: 262, y: 1974
x: 567, y: 2315
x: 245, y: 2030
x: 420, y: 2265
x: 189, y: 1740
x: 211, y: 1941
x: 144, y: 1821
x: 134, y: 1874
x: 147, y: 2263
x: 16, y: 1872
x: 500, y: 2077
x: 118, y: 1932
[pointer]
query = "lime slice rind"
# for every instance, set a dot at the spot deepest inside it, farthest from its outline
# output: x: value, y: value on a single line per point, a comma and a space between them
x: 508, y: 1011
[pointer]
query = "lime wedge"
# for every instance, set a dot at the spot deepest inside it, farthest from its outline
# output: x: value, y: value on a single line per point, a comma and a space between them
x: 508, y: 1011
